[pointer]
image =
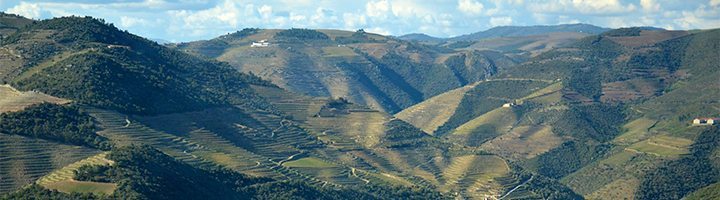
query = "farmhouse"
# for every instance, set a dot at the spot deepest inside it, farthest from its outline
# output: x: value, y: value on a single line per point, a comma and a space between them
x: 702, y: 121
x: 261, y: 43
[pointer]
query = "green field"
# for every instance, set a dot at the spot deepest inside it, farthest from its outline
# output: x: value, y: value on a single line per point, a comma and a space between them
x: 663, y: 146
x: 636, y: 130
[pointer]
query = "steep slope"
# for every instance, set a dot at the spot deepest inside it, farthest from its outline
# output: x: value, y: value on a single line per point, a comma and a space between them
x: 381, y: 72
x: 379, y: 148
x: 205, y: 114
x: 615, y: 117
x: 94, y: 63
x: 434, y: 112
x: 34, y: 143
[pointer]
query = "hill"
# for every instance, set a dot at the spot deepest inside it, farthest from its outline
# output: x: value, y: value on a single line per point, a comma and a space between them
x: 369, y: 69
x: 513, y: 31
x: 420, y: 37
x: 611, y: 108
x: 195, y: 114
x: 10, y: 23
x: 593, y: 116
x: 94, y: 63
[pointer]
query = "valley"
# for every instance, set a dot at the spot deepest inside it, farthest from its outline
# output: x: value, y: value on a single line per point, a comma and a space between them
x: 561, y: 112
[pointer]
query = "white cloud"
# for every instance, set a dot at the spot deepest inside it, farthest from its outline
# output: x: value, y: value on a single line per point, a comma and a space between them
x: 702, y: 17
x: 127, y: 22
x: 563, y: 19
x: 265, y: 11
x: 29, y: 10
x: 596, y: 7
x: 354, y: 21
x: 377, y: 9
x: 184, y: 20
x: 470, y: 7
x: 407, y: 9
x: 714, y: 3
x: 500, y: 21
x: 378, y: 30
x: 650, y: 5
x: 297, y: 18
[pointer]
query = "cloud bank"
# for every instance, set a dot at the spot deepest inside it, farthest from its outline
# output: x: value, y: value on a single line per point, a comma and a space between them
x: 186, y: 20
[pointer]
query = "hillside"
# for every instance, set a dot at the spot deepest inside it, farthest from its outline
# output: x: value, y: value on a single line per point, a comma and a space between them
x: 92, y: 112
x: 611, y: 108
x: 369, y: 69
x: 194, y: 114
x: 92, y: 63
x: 10, y: 23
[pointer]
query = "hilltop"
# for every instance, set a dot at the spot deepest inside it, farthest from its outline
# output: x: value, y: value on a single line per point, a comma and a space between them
x: 421, y: 37
x: 10, y: 23
x: 369, y: 69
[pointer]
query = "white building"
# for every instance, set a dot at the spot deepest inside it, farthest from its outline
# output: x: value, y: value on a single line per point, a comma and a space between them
x: 261, y: 43
x: 705, y: 121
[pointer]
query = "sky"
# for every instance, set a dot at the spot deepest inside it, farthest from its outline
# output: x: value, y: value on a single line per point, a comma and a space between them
x: 188, y: 20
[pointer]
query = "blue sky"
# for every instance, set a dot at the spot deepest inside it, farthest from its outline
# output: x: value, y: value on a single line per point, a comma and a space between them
x: 186, y: 20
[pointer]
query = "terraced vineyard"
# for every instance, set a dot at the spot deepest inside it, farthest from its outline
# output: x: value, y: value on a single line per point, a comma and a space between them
x: 200, y: 139
x: 434, y: 112
x: 524, y: 142
x: 24, y: 160
x: 475, y: 176
x: 486, y: 126
x: 298, y: 106
x: 62, y: 179
x: 357, y: 136
x: 615, y: 176
x: 209, y: 149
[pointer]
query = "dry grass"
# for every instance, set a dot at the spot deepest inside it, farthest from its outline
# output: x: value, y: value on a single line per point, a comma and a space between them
x: 338, y: 52
x: 12, y: 100
x: 73, y: 186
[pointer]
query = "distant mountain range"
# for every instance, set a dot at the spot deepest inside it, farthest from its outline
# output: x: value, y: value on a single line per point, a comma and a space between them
x: 511, y: 31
